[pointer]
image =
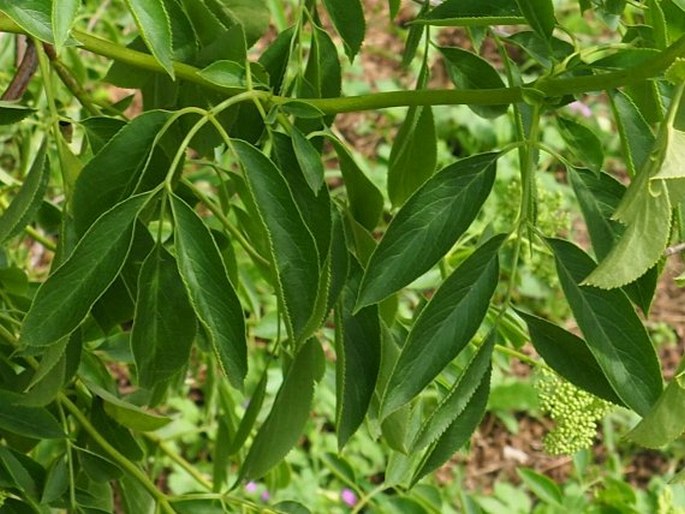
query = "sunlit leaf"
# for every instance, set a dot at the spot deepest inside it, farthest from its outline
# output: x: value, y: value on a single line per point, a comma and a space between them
x: 432, y: 220
x: 155, y: 28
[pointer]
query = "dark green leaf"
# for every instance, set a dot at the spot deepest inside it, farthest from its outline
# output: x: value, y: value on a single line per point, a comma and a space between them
x: 211, y: 293
x: 225, y: 74
x: 294, y: 251
x: 283, y: 427
x: 56, y: 481
x: 413, y: 156
x: 253, y: 15
x: 127, y: 414
x: 582, y: 142
x: 543, y: 487
x: 98, y: 467
x: 445, y: 326
x: 114, y: 433
x: 63, y: 15
x: 539, y: 15
x: 34, y: 16
x: 116, y: 169
x: 458, y: 397
x: 458, y: 433
x: 543, y: 51
x: 64, y: 300
x: 358, y: 355
x: 365, y: 199
x: 136, y: 499
x: 100, y: 130
x: 34, y: 422
x: 250, y: 416
x: 275, y: 59
x: 569, y: 356
x: 13, y: 112
x: 466, y: 13
x: 301, y: 109
x: 27, y: 201
x: 469, y: 71
x: 637, y: 139
x: 155, y: 28
x: 348, y: 19
x: 309, y: 160
x: 612, y: 330
x: 432, y: 220
x: 164, y: 323
x: 20, y: 476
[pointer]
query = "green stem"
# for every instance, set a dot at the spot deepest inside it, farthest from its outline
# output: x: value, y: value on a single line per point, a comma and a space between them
x: 548, y: 87
x: 120, y: 459
x: 71, y: 83
x: 34, y: 234
x: 184, y: 464
x: 520, y: 356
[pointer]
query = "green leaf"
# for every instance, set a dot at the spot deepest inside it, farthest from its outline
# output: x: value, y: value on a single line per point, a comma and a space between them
x: 467, y: 13
x: 56, y: 481
x: 413, y: 156
x: 20, y: 476
x: 569, y: 355
x: 458, y: 433
x: 164, y: 323
x: 309, y: 160
x: 582, y: 142
x: 63, y: 15
x: 249, y: 417
x: 665, y: 422
x: 348, y: 19
x: 211, y: 293
x: 283, y: 427
x: 364, y: 198
x: 253, y: 15
x: 63, y: 301
x: 543, y: 487
x: 155, y: 28
x: 25, y: 204
x: 33, y: 422
x: 612, y: 330
x: 13, y: 112
x: 432, y: 219
x: 127, y: 414
x: 547, y: 53
x: 643, y: 242
x: 539, y: 15
x: 34, y: 16
x: 225, y: 74
x: 114, y: 172
x: 358, y: 355
x: 672, y: 165
x: 458, y: 397
x: 445, y: 326
x: 293, y: 247
x: 599, y: 196
x: 100, y: 130
x: 469, y: 71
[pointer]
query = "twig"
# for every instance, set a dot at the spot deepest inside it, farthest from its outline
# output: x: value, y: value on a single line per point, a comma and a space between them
x: 21, y: 79
x: 672, y: 250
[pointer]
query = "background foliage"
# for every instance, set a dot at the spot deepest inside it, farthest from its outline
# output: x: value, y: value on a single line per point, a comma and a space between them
x: 201, y: 276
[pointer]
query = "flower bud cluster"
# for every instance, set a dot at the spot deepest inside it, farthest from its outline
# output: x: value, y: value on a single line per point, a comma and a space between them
x: 575, y: 414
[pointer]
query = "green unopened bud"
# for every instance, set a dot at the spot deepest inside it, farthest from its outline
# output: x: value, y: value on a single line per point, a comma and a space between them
x: 575, y: 414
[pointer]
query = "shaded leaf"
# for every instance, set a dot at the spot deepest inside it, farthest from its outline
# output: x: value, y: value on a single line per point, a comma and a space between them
x: 113, y: 173
x: 34, y: 16
x: 432, y: 220
x: 155, y: 28
x: 63, y: 301
x: 283, y: 427
x: 25, y: 204
x: 293, y: 248
x: 13, y: 112
x: 348, y: 19
x: 364, y: 198
x: 569, y: 355
x: 164, y: 323
x: 444, y: 326
x: 248, y: 420
x: 413, y: 156
x: 33, y: 422
x: 466, y: 13
x: 582, y: 142
x: 63, y: 15
x: 358, y: 355
x: 458, y: 433
x: 127, y: 414
x: 458, y: 397
x: 211, y: 293
x: 309, y: 160
x: 539, y: 15
x: 613, y: 332
x: 469, y: 71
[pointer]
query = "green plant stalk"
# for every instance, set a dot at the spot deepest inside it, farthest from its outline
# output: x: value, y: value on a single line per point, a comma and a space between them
x: 184, y: 464
x: 548, y: 87
x: 120, y: 459
x: 71, y: 83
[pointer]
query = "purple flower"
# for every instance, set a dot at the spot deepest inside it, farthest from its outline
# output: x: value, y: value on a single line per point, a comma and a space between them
x: 265, y: 496
x: 580, y: 108
x: 251, y: 486
x: 348, y: 497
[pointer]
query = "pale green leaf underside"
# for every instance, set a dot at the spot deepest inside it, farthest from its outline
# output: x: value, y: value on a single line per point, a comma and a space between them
x: 665, y: 422
x: 34, y: 16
